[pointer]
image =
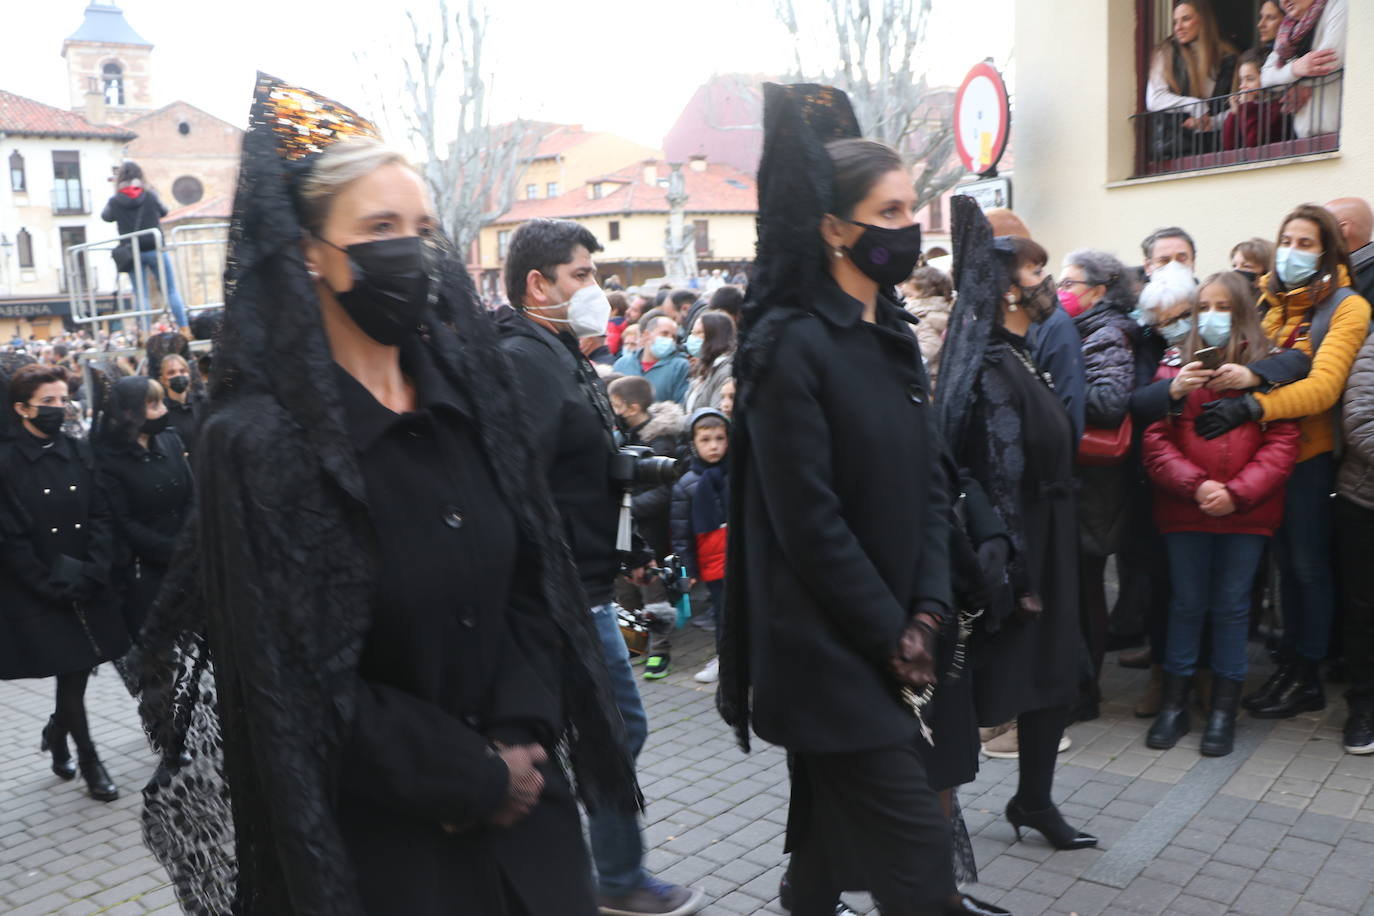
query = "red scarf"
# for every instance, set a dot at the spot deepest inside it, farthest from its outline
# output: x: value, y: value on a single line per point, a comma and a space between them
x: 131, y: 192
x: 1293, y: 32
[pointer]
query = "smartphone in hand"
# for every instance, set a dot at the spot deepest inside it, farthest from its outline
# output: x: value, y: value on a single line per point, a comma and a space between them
x: 1210, y: 357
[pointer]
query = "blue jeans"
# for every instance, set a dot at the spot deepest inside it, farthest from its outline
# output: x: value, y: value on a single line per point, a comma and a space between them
x: 1211, y: 575
x: 1307, y: 576
x: 148, y: 258
x: 617, y: 846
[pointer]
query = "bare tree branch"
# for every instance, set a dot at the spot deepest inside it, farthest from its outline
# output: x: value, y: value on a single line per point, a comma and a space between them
x: 868, y: 49
x: 470, y: 165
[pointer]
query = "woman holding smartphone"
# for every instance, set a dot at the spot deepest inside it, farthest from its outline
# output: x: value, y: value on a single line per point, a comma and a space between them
x: 1217, y: 502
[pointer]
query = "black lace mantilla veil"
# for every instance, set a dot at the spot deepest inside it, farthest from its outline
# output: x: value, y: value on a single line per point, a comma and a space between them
x: 980, y: 277
x: 272, y: 345
x: 795, y: 183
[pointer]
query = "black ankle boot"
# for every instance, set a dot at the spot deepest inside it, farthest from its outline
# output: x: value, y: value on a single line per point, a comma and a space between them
x: 55, y: 741
x: 1219, y: 738
x: 1277, y: 681
x: 1172, y: 721
x: 1051, y: 825
x: 98, y: 782
x: 1302, y: 693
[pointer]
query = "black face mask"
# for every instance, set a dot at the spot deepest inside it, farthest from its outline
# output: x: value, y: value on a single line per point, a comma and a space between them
x: 179, y: 383
x: 1249, y: 275
x: 154, y: 426
x: 391, y: 280
x: 1041, y: 300
x: 49, y: 420
x: 886, y: 256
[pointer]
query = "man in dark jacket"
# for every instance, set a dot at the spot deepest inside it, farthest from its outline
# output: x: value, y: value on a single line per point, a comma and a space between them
x: 547, y: 263
x: 1357, y: 225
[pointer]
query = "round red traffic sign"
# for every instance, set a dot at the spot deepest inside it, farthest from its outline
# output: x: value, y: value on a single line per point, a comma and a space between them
x: 982, y: 119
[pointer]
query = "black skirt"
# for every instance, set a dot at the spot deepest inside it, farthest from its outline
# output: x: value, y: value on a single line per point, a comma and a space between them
x: 867, y: 821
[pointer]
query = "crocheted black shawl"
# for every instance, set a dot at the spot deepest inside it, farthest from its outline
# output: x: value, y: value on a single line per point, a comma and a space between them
x: 250, y: 652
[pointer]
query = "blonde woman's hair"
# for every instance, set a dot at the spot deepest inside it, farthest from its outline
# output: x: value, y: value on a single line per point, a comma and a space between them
x: 1202, y: 57
x: 339, y: 166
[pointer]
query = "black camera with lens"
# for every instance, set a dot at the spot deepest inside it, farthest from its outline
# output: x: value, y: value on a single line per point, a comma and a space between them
x: 633, y: 465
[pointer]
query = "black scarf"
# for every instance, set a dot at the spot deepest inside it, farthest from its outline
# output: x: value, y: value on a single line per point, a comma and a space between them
x: 274, y: 395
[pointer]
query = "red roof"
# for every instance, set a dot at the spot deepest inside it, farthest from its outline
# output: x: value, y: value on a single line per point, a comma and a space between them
x: 720, y: 188
x: 723, y: 121
x: 26, y: 118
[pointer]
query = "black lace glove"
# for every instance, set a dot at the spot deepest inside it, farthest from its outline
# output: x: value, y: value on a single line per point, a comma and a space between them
x: 1220, y: 417
x: 914, y: 663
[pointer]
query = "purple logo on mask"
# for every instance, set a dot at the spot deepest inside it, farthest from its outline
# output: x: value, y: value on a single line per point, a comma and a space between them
x: 880, y: 256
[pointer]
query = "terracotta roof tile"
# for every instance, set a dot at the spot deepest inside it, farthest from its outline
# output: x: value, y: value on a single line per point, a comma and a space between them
x: 719, y: 189
x: 24, y: 117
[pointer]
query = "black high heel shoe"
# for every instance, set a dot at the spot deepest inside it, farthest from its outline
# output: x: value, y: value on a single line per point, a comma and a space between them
x: 972, y: 906
x: 98, y: 782
x: 1051, y: 825
x: 55, y: 740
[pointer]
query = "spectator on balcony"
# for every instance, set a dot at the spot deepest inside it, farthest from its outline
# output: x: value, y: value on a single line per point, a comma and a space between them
x: 1254, y: 118
x: 132, y: 208
x: 1356, y: 220
x: 1270, y: 17
x: 1310, y: 45
x: 1189, y: 68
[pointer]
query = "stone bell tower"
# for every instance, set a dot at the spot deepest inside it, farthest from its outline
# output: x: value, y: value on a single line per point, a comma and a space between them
x: 109, y: 66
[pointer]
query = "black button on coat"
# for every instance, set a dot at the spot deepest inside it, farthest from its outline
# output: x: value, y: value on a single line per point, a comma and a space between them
x: 844, y: 529
x: 150, y: 494
x: 442, y: 676
x: 51, y: 508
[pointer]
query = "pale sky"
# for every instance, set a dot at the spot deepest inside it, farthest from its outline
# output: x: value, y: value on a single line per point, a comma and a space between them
x: 627, y: 66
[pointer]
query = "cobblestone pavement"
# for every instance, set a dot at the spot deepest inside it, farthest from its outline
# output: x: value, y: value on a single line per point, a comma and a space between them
x: 1283, y: 825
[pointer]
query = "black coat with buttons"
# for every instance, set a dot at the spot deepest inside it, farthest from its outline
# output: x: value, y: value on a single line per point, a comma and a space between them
x: 839, y: 531
x: 149, y: 492
x: 58, y: 602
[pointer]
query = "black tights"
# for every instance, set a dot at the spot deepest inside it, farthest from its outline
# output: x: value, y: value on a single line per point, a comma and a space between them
x: 1092, y: 608
x: 71, y: 710
x: 1038, y: 734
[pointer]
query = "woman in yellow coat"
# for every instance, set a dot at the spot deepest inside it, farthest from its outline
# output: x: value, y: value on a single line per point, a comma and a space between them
x: 1311, y: 306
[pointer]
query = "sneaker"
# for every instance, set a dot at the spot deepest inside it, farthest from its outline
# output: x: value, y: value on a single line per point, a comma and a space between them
x: 655, y: 897
x: 1359, y: 732
x: 709, y: 674
x: 1004, y: 744
x: 656, y: 667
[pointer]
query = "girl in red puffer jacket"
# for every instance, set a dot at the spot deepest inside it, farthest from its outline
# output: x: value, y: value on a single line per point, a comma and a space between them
x: 1216, y: 501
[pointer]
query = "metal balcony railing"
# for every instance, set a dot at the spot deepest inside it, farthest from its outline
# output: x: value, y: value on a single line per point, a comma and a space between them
x: 70, y: 200
x: 1298, y: 119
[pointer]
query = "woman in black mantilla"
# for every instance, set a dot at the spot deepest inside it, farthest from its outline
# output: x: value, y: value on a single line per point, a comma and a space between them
x: 839, y: 533
x: 1009, y: 431
x: 146, y: 477
x: 400, y: 651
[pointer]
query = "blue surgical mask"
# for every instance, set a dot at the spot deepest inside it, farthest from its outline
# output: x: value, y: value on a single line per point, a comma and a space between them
x: 662, y: 348
x: 1214, y: 328
x: 1296, y: 267
x: 694, y: 345
x: 1174, y: 332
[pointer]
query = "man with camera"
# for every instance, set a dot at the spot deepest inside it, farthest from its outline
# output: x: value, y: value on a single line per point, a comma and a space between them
x: 552, y: 287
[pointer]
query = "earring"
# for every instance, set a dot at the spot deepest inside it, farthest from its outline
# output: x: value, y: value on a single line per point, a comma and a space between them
x: 314, y: 274
x: 1011, y: 303
x: 839, y: 252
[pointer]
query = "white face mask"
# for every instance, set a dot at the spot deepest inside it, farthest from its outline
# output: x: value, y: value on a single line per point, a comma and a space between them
x: 588, y: 312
